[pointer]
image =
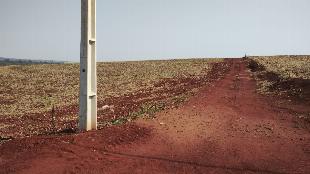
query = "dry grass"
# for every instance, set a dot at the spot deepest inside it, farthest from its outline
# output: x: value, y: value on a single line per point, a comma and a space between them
x: 287, y: 66
x: 35, y: 88
x: 282, y: 75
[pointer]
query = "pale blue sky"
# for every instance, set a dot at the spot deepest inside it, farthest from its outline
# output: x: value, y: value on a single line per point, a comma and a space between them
x: 156, y: 29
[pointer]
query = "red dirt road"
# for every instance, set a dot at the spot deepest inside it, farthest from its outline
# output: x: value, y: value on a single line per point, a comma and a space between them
x: 226, y: 128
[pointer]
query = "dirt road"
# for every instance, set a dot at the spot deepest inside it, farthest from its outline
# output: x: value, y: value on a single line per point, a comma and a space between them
x: 226, y: 128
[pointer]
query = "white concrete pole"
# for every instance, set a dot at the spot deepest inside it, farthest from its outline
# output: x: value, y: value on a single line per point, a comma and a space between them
x: 88, y: 72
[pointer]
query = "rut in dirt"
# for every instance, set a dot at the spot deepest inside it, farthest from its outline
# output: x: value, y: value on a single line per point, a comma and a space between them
x: 225, y: 128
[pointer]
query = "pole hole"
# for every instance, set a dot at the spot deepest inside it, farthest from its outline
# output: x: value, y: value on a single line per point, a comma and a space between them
x: 83, y: 70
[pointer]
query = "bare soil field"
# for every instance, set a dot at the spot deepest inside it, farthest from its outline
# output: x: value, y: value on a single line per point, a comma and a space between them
x: 240, y: 117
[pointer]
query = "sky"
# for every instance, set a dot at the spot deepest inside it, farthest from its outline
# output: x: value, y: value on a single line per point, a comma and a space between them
x: 156, y: 29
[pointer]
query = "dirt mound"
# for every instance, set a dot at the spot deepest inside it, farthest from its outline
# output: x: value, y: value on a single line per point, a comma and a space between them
x: 16, y: 152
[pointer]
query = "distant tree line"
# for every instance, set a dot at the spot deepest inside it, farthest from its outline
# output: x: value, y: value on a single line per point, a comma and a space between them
x: 13, y: 61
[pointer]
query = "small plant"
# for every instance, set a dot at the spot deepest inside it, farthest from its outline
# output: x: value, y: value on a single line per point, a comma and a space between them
x: 150, y: 109
x: 49, y: 102
x: 53, y: 119
x: 118, y: 121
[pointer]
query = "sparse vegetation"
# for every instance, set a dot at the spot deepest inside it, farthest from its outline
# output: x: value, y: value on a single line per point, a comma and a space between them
x: 282, y: 75
x: 286, y: 66
x: 126, y: 91
x: 26, y: 88
x: 146, y: 110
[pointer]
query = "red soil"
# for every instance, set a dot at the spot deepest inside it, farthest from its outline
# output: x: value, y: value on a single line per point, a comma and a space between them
x: 226, y: 128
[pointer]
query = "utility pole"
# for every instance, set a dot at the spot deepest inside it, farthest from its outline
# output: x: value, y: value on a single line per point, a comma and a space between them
x: 88, y: 72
